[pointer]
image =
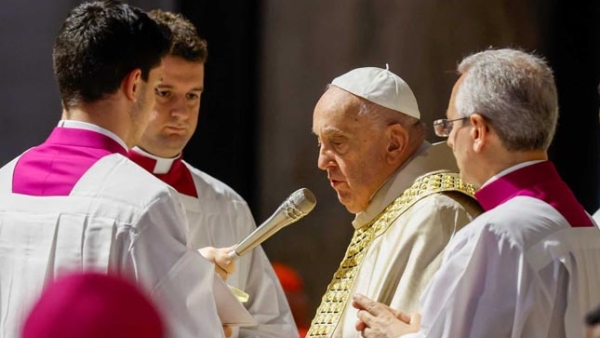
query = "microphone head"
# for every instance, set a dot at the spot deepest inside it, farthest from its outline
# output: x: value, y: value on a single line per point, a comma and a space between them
x: 304, y: 200
x: 296, y: 206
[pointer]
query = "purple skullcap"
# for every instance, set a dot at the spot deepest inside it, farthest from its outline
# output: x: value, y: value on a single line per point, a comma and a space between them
x: 93, y: 305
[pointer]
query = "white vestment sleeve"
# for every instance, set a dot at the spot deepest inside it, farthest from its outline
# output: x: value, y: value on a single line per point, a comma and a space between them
x: 267, y: 303
x: 458, y: 301
x: 219, y: 217
x: 179, y: 278
x: 518, y: 270
x: 476, y: 293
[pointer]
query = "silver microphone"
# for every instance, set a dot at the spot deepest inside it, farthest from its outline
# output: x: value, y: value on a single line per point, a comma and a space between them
x: 298, y: 205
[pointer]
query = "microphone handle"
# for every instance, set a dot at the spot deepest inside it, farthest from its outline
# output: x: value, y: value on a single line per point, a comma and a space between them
x: 277, y: 221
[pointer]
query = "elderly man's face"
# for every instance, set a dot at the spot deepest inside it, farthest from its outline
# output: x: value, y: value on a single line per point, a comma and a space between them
x: 459, y: 140
x: 352, y: 148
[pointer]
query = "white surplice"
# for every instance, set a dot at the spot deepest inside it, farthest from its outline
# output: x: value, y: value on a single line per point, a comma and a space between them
x: 219, y: 217
x: 596, y: 217
x: 518, y: 270
x: 119, y: 219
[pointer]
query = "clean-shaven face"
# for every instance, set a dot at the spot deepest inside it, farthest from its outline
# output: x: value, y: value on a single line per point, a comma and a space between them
x: 459, y: 140
x: 351, y: 148
x: 175, y: 115
x: 140, y: 115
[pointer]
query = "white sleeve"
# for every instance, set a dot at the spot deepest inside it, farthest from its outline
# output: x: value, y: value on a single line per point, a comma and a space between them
x: 596, y: 217
x: 267, y: 302
x: 179, y: 279
x: 476, y: 294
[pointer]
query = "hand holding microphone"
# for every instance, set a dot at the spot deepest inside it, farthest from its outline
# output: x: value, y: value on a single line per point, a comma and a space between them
x: 224, y: 265
x: 296, y: 206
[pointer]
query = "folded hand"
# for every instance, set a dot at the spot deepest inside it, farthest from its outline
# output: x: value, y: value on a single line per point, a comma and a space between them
x: 377, y: 320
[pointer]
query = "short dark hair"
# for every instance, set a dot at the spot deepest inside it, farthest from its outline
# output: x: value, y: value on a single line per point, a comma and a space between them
x: 186, y: 42
x: 101, y: 42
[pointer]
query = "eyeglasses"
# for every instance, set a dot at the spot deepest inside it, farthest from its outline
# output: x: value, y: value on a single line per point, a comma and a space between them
x: 443, y: 127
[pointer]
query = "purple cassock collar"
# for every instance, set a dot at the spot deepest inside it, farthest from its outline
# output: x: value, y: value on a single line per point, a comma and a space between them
x: 541, y: 181
x: 54, y: 167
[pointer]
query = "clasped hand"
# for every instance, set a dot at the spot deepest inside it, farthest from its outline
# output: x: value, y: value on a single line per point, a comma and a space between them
x: 377, y: 320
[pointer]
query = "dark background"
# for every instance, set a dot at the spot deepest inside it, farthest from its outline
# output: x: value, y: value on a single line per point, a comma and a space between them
x: 269, y: 62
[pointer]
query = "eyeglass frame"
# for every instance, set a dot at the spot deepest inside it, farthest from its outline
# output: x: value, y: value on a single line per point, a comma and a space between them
x: 446, y: 125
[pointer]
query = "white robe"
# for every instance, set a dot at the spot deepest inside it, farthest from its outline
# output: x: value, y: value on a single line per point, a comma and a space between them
x: 219, y: 217
x: 398, y: 264
x: 596, y: 217
x: 476, y: 293
x: 118, y: 218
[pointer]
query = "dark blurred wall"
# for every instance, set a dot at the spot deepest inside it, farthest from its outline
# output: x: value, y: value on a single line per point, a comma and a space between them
x: 224, y: 144
x: 571, y: 41
x: 31, y: 105
x: 30, y: 97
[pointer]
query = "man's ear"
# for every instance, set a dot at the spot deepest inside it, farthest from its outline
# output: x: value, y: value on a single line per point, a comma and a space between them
x: 397, y: 137
x: 479, y: 132
x: 131, y: 84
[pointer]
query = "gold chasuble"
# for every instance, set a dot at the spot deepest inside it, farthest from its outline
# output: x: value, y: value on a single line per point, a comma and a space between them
x: 337, y: 295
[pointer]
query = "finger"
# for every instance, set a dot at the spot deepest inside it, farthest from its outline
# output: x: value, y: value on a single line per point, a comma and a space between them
x: 360, y: 301
x: 397, y: 313
x: 230, y: 248
x: 226, y: 264
x: 415, y: 320
x: 403, y: 316
x: 224, y: 261
x: 227, y: 330
x: 208, y: 252
x: 367, y: 333
x: 221, y: 272
x: 356, y: 304
x: 365, y: 317
x: 360, y: 325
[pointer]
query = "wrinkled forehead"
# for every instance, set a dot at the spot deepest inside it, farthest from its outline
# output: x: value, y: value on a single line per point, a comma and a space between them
x: 335, y: 106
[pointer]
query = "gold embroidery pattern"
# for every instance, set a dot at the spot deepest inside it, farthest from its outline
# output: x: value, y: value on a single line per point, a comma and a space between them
x: 335, y: 298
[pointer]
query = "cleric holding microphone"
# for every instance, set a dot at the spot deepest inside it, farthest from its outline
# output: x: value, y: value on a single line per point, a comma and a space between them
x: 405, y: 193
x: 76, y: 203
x: 217, y: 215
